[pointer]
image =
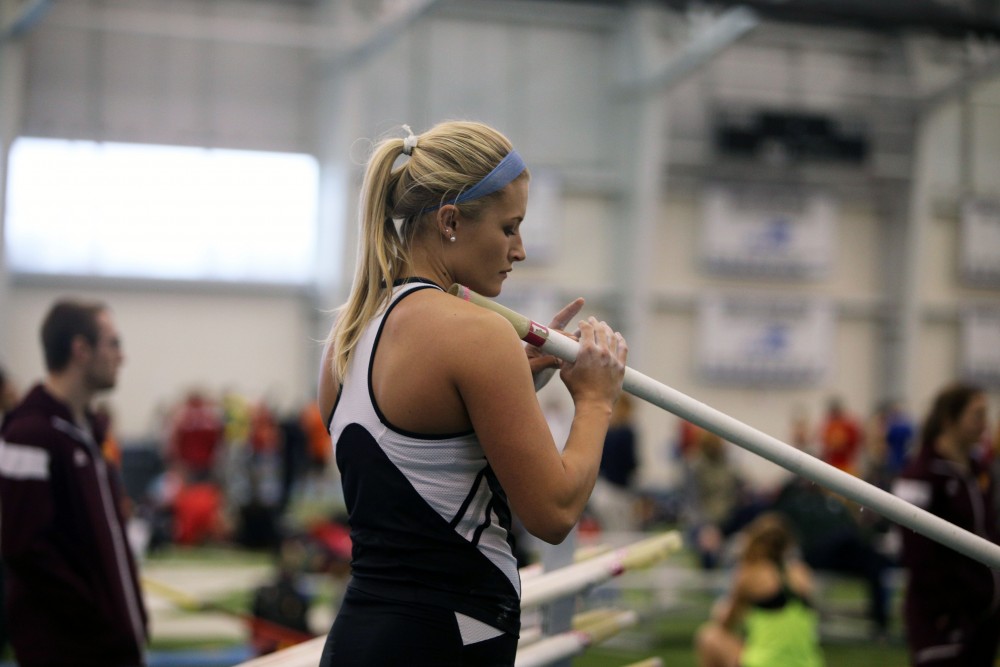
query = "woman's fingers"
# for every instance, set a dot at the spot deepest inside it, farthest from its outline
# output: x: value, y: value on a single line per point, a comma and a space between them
x: 621, y: 347
x: 600, y: 364
x: 602, y: 335
x: 564, y: 316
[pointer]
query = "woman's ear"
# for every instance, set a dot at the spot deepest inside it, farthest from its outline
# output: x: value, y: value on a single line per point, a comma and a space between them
x: 447, y: 221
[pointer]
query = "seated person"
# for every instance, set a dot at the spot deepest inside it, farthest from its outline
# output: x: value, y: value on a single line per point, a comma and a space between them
x: 769, y: 601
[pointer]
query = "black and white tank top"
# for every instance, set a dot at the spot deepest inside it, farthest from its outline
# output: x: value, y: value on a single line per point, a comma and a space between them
x: 429, y: 520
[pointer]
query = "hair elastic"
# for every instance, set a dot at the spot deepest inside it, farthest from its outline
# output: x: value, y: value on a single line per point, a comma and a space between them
x: 409, y: 142
x: 509, y: 168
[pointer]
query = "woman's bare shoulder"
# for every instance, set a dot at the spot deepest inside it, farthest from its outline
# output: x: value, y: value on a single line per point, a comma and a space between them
x: 447, y: 317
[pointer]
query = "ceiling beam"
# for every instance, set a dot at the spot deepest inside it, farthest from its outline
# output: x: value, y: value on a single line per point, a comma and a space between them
x: 891, y: 16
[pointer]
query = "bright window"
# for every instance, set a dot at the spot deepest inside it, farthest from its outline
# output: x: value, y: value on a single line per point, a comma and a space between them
x: 139, y: 211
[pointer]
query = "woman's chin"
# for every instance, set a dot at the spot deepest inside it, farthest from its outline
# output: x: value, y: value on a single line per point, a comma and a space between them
x: 490, y: 290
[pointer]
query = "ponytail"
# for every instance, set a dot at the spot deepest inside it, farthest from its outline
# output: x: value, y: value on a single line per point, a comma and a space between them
x: 381, y: 255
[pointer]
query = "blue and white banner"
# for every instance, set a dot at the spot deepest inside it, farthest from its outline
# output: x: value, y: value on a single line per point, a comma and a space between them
x: 979, y: 246
x: 768, y: 231
x: 751, y: 339
x: 980, y: 349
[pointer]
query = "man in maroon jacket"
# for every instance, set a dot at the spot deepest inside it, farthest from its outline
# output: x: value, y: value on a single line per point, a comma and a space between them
x: 73, y: 595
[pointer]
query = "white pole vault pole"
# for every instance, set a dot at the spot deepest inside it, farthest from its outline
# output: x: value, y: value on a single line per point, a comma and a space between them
x: 306, y: 654
x: 574, y: 642
x: 758, y: 442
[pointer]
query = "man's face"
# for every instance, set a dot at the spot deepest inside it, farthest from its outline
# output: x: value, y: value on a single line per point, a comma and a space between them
x: 101, y: 371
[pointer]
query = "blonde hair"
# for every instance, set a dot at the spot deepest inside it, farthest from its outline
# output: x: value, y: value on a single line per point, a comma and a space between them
x: 446, y: 160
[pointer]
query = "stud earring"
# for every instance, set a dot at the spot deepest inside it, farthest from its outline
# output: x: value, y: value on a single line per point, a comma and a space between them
x: 452, y: 239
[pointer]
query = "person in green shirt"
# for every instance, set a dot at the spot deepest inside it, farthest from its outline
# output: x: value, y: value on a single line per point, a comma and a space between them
x: 766, y: 618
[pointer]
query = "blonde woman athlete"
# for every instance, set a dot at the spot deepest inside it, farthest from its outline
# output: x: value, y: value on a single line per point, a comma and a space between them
x: 436, y: 428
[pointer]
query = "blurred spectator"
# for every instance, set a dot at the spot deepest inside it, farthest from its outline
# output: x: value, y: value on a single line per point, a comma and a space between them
x: 72, y: 587
x: 258, y: 520
x: 890, y: 435
x: 613, y: 502
x: 196, y: 432
x: 265, y: 449
x: 294, y: 456
x: 900, y: 432
x: 716, y: 502
x: 688, y: 435
x: 840, y: 437
x: 235, y: 418
x: 319, y: 446
x: 198, y: 512
x: 952, y: 603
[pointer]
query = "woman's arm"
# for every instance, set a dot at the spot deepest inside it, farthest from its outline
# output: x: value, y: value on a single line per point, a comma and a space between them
x: 546, y: 489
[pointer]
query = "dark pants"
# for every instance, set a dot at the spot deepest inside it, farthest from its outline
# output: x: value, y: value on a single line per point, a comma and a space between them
x: 370, y: 630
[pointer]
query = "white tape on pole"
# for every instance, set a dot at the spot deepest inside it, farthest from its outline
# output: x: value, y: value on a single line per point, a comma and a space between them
x: 758, y: 442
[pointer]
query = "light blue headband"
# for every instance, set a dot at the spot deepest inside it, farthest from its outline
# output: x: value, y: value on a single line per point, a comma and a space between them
x: 510, y: 167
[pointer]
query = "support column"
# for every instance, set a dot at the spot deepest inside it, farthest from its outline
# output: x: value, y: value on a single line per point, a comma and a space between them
x: 653, y: 77
x: 645, y: 118
x: 904, y: 329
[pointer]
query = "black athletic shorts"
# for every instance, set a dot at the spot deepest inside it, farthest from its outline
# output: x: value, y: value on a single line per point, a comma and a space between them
x: 372, y: 631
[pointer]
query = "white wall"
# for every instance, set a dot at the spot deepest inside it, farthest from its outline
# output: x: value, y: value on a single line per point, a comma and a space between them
x: 257, y: 345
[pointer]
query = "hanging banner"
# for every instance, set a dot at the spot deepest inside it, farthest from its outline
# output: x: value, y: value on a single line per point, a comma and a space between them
x: 765, y: 340
x: 979, y: 245
x: 980, y: 351
x: 768, y: 230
